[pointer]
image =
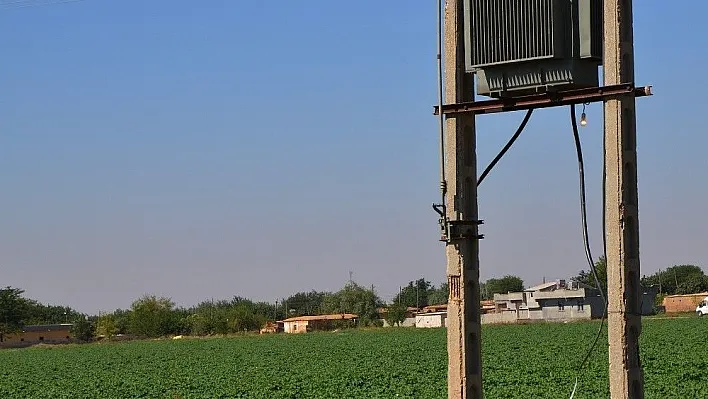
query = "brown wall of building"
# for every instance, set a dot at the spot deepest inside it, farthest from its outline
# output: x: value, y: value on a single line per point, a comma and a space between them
x: 683, y: 303
x: 295, y: 327
x: 36, y: 337
x: 312, y: 325
x: 319, y: 325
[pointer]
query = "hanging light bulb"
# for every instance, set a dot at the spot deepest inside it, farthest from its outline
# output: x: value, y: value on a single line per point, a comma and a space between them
x: 583, y: 117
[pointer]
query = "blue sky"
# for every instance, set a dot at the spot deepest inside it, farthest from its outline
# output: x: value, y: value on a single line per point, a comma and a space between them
x: 219, y: 148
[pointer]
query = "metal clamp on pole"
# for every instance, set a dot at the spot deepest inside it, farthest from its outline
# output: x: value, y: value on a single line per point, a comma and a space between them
x: 442, y: 222
x: 463, y: 229
x: 453, y: 230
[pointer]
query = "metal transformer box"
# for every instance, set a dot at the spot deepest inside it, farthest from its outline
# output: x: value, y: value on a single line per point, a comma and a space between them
x: 522, y: 47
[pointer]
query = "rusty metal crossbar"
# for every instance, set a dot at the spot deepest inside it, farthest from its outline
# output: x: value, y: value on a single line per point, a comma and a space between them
x: 545, y: 100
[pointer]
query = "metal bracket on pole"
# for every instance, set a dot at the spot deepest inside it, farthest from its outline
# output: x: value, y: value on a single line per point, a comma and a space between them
x: 545, y: 100
x: 462, y: 229
x: 454, y: 230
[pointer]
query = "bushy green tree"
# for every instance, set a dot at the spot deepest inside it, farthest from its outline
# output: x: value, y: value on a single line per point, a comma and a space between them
x: 106, y: 326
x: 83, y: 329
x: 150, y: 316
x: 197, y: 323
x: 396, y: 314
x: 679, y: 279
x: 244, y: 319
x: 692, y: 284
x: 503, y: 285
x: 439, y: 295
x: 122, y: 319
x: 13, y: 309
x: 355, y: 299
x: 38, y: 313
x: 415, y: 294
x: 588, y: 278
x: 305, y: 303
x: 224, y: 317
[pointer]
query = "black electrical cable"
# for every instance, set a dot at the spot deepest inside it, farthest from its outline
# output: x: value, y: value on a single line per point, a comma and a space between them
x: 441, y: 116
x: 506, y: 147
x: 586, y: 241
x: 604, y: 199
x: 583, y: 211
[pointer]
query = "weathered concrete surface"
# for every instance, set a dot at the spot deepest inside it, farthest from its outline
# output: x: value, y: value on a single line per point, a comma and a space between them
x: 463, y: 334
x: 624, y: 292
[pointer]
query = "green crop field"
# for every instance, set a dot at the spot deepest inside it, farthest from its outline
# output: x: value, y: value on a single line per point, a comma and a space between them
x: 520, y: 361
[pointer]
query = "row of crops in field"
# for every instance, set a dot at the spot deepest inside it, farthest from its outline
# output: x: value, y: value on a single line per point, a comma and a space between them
x: 520, y: 361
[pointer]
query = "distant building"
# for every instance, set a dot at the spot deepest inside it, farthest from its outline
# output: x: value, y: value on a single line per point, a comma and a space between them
x: 432, y: 315
x: 48, y: 333
x: 548, y: 301
x: 436, y: 315
x: 484, y: 306
x: 408, y: 320
x: 683, y: 303
x: 648, y: 305
x: 434, y: 308
x: 272, y: 328
x: 556, y: 301
x: 487, y: 306
x: 431, y: 319
x: 302, y: 324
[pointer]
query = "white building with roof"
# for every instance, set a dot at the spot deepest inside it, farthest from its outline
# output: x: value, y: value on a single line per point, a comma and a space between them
x: 431, y: 319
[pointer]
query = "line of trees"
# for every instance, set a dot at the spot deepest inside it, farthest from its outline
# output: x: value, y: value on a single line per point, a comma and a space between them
x: 352, y: 298
x: 421, y: 293
x: 152, y: 316
x: 675, y: 280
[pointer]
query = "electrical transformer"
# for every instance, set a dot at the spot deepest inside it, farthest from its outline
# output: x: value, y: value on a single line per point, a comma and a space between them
x: 522, y: 47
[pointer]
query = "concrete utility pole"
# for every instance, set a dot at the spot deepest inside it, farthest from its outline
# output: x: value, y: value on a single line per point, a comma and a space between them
x: 464, y: 332
x: 624, y: 292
